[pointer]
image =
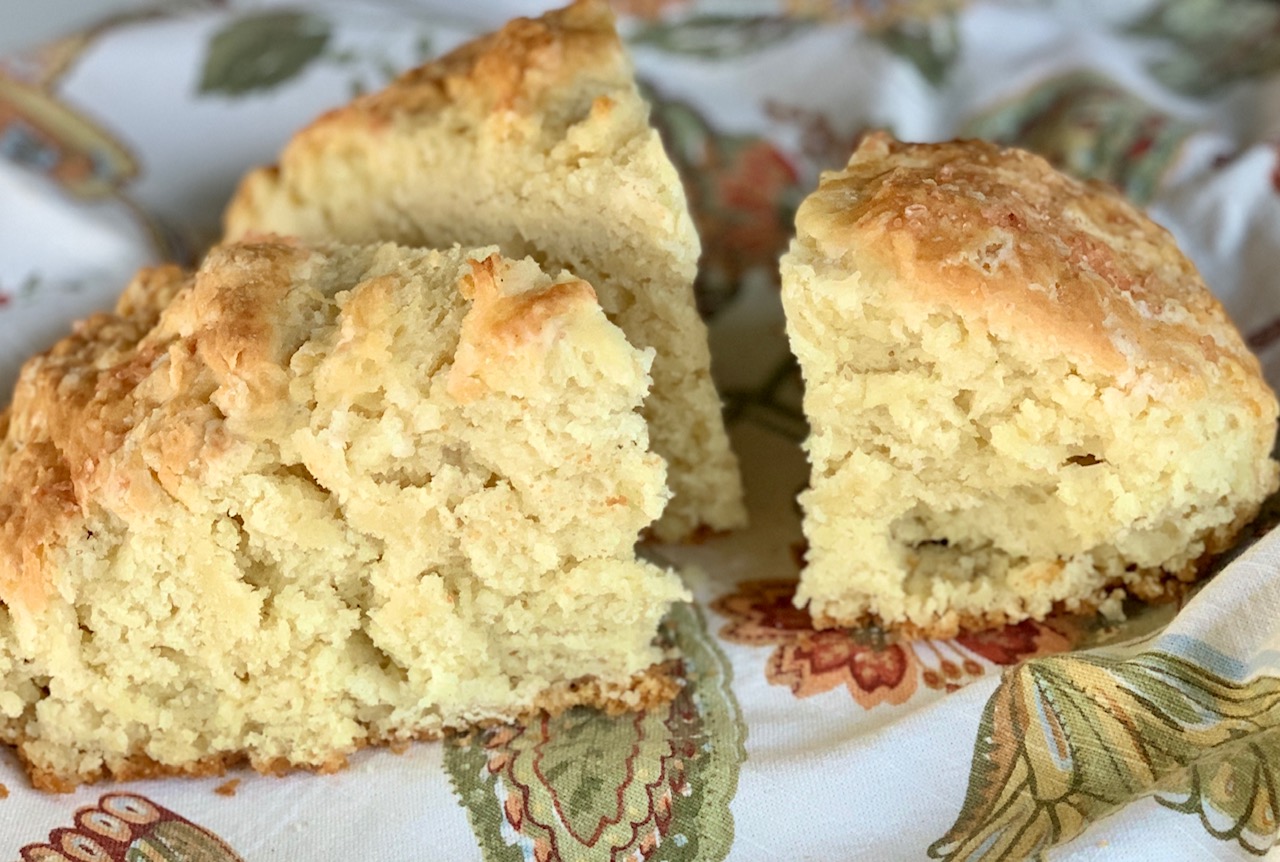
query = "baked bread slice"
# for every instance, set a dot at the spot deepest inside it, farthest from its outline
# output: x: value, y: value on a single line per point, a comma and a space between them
x: 536, y: 139
x: 1022, y: 395
x: 327, y: 498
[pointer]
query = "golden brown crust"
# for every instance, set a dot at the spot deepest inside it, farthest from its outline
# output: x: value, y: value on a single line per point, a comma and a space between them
x: 75, y: 406
x: 546, y: 72
x: 224, y: 344
x: 651, y: 688
x: 1162, y: 587
x: 137, y: 413
x: 990, y: 317
x: 522, y: 139
x: 1023, y: 252
x: 506, y: 317
x: 150, y: 292
x: 28, y: 518
x: 517, y: 69
x: 67, y: 415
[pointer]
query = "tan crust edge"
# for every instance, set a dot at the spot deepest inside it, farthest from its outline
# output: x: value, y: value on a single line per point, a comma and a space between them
x: 655, y: 686
x: 1150, y: 585
x: 1166, y: 587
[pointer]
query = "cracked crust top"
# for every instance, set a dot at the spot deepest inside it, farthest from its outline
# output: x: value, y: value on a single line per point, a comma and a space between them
x: 1018, y: 248
x: 524, y: 68
x: 548, y: 71
x: 134, y: 404
x: 532, y: 79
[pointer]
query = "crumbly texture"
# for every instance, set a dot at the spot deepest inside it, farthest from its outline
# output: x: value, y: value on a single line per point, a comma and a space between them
x: 311, y: 499
x: 536, y: 139
x: 1022, y: 395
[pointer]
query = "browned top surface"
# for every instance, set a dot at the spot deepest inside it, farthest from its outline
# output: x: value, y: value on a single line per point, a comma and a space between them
x: 122, y: 412
x: 522, y: 68
x: 1023, y: 252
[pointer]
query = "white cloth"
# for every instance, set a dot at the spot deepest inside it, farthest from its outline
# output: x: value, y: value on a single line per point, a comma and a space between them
x: 122, y: 148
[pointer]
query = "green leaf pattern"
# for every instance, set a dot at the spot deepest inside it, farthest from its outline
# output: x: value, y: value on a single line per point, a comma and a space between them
x: 1213, y: 43
x: 1070, y: 739
x: 1089, y: 126
x: 1233, y: 791
x: 931, y: 45
x: 126, y: 827
x: 585, y: 786
x: 261, y: 51
x: 717, y: 37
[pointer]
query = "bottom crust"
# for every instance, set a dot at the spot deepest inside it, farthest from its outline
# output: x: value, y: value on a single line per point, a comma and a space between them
x: 653, y: 687
x: 1168, y: 588
x: 1149, y: 585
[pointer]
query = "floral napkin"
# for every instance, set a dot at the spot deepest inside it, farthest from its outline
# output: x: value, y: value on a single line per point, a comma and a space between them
x: 1068, y: 739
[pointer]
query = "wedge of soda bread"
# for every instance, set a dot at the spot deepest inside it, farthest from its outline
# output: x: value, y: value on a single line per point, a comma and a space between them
x: 310, y: 499
x: 1022, y: 395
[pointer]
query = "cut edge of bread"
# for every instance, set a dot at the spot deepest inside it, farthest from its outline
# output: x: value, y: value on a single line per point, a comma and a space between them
x: 653, y: 687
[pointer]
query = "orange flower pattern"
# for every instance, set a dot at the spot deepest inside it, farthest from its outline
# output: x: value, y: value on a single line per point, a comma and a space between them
x: 742, y: 193
x: 872, y: 670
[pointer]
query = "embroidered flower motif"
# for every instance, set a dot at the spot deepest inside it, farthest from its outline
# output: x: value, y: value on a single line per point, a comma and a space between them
x: 873, y: 671
x: 827, y: 660
x: 1067, y: 740
x: 743, y: 200
x: 1091, y: 127
x: 586, y: 785
x: 1011, y: 644
x: 41, y: 133
x: 124, y: 827
x: 742, y: 191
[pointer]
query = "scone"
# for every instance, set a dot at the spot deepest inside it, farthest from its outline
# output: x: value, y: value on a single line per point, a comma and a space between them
x: 325, y: 498
x: 1022, y: 395
x: 535, y: 139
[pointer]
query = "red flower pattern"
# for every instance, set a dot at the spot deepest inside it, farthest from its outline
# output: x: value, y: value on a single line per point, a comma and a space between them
x: 742, y: 193
x: 1004, y: 646
x: 873, y: 671
x: 743, y: 198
